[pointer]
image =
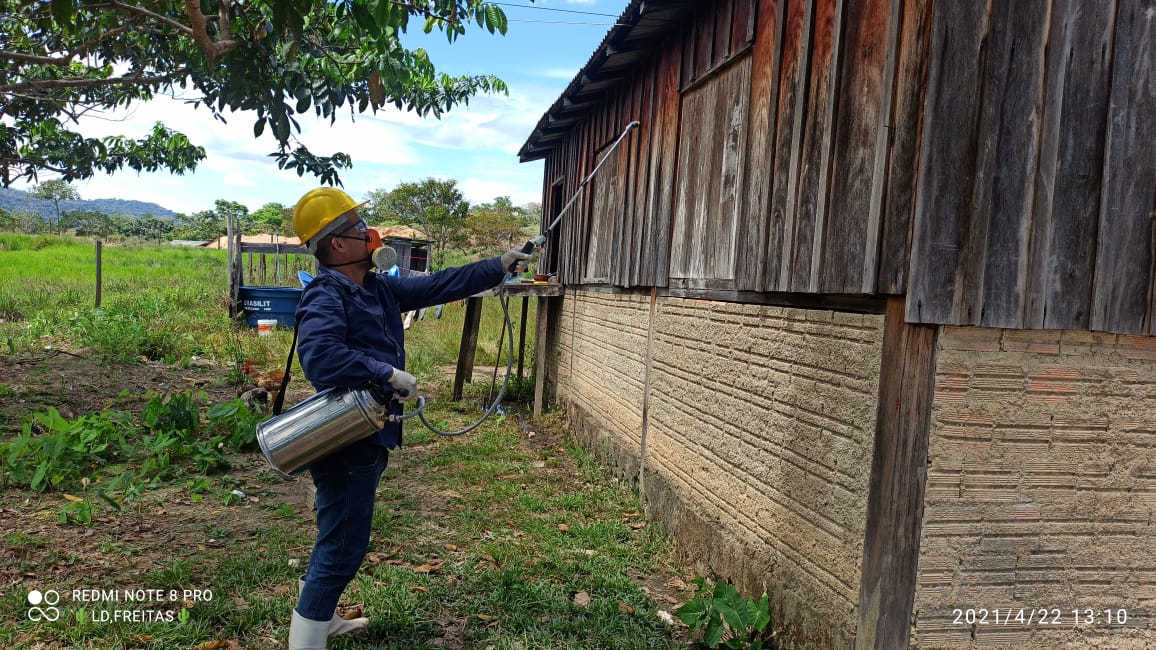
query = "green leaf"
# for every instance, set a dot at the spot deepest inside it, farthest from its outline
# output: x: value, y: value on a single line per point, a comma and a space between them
x: 38, y: 477
x: 714, y: 632
x: 762, y: 615
x: 280, y: 127
x: 731, y: 616
x: 691, y: 612
x: 63, y: 11
x: 495, y: 19
x: 109, y: 500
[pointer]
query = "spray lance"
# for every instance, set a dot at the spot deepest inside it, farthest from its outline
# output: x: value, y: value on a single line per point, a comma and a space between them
x: 336, y: 417
x: 541, y: 239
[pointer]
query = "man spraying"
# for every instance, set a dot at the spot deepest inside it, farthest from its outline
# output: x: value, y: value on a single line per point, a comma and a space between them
x: 350, y: 334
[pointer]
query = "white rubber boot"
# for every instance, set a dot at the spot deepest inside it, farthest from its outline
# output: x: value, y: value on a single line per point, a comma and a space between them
x: 339, y: 626
x: 306, y: 634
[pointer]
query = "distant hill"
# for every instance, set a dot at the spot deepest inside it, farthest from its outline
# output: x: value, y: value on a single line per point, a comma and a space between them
x: 20, y: 201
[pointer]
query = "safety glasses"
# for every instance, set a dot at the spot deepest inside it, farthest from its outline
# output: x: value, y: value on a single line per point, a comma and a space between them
x: 361, y: 227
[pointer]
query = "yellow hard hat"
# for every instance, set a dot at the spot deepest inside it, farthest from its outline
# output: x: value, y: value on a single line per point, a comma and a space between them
x: 317, y: 209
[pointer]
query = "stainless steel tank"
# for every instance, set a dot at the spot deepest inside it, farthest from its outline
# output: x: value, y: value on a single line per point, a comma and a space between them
x: 320, y: 425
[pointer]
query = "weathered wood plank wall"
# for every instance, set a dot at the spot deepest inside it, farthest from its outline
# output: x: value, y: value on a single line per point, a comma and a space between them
x: 1024, y: 169
x: 995, y: 163
x: 711, y: 162
x: 1124, y: 276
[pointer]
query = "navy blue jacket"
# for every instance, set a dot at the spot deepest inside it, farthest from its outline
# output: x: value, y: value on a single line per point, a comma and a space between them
x: 351, y: 335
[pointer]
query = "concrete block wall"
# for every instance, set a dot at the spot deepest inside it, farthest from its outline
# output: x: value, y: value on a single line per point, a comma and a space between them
x: 601, y: 367
x: 1041, y: 490
x: 758, y: 439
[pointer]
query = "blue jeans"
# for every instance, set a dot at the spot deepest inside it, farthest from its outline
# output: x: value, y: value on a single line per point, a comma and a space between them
x: 346, y: 483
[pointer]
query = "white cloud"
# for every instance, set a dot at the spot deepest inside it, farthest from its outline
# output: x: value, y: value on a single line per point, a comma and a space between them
x: 484, y: 190
x: 563, y: 74
x: 368, y: 139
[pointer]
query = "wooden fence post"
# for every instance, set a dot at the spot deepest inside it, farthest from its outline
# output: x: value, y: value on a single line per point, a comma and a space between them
x: 99, y: 280
x: 469, y: 345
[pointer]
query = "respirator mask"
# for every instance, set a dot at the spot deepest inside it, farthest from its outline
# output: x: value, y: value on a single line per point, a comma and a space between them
x: 382, y: 256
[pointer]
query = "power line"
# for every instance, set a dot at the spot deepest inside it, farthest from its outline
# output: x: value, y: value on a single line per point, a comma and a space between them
x: 559, y: 22
x: 569, y: 11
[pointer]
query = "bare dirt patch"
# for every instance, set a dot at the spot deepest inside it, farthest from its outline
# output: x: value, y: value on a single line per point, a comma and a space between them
x: 168, y: 523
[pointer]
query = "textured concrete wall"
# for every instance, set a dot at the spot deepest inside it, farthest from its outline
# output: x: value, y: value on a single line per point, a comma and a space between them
x: 1041, y: 490
x: 601, y: 365
x: 758, y: 444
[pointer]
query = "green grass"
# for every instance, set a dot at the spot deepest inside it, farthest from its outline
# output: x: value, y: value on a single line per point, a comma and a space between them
x: 165, y: 304
x: 511, y: 545
x: 524, y: 542
x: 478, y: 541
x: 170, y: 304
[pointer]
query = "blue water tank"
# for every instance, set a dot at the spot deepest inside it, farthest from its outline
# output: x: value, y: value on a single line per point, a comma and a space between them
x: 278, y: 303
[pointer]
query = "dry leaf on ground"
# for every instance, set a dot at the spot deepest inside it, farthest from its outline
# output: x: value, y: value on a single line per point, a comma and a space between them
x: 429, y: 566
x: 217, y: 645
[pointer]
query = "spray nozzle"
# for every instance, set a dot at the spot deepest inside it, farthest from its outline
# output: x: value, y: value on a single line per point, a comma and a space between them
x: 528, y: 249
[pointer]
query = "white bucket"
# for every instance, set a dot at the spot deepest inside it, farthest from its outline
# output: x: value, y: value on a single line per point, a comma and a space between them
x: 265, y: 327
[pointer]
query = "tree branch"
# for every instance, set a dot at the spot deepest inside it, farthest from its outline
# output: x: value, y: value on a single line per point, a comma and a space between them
x: 423, y: 11
x: 141, y: 11
x: 200, y: 33
x: 32, y: 58
x: 65, y: 58
x: 223, y: 22
x: 76, y: 82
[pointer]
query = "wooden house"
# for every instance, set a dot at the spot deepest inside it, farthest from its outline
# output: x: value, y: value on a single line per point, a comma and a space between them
x: 866, y: 306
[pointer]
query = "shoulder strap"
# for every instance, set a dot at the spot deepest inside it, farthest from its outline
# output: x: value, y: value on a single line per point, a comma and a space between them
x: 279, y: 401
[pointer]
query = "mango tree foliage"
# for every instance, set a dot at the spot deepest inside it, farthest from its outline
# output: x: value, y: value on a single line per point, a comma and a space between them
x: 61, y: 60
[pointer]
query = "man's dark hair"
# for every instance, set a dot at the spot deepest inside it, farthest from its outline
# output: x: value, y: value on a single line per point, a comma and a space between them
x: 324, y: 249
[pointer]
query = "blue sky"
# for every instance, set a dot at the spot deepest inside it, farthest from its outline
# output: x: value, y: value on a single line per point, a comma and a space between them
x: 477, y: 145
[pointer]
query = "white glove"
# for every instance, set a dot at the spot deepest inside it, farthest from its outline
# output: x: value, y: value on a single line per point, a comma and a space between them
x: 514, y: 256
x: 403, y: 384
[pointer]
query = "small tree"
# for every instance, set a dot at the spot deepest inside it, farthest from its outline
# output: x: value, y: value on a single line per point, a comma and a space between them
x: 242, y: 221
x: 435, y: 206
x: 8, y: 220
x: 29, y: 222
x: 269, y: 218
x: 497, y: 225
x: 55, y: 190
x: 154, y: 228
x: 87, y: 223
x: 210, y: 225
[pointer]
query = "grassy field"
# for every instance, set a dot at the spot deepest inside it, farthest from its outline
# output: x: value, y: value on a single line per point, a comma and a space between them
x: 128, y: 470
x: 165, y: 304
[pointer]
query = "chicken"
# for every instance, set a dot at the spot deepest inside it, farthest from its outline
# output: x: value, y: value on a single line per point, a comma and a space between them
x: 270, y: 380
